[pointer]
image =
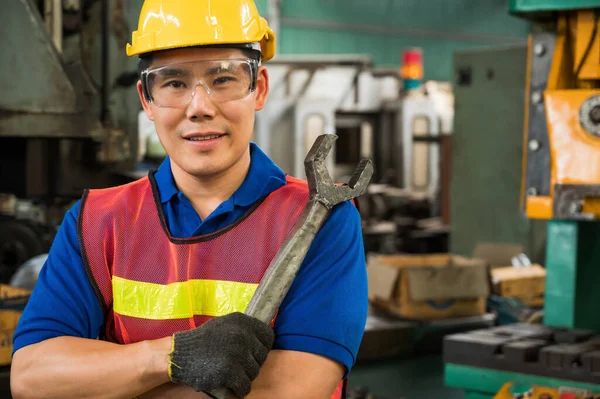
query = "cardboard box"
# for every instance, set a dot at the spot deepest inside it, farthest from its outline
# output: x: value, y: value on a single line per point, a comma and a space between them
x: 12, y: 303
x: 528, y: 284
x: 497, y: 254
x: 428, y: 287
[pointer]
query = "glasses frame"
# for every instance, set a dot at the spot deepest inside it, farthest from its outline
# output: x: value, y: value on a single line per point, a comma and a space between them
x: 252, y: 63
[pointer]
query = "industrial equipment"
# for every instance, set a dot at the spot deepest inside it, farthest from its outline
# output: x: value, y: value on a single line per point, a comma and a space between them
x: 312, y: 95
x: 24, y: 233
x: 57, y: 135
x: 525, y: 391
x: 526, y: 353
x: 373, y: 118
x: 560, y: 184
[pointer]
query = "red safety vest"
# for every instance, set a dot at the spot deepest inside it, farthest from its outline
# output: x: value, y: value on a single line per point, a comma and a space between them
x: 151, y: 285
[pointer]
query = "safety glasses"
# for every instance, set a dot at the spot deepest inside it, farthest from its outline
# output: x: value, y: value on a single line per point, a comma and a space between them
x: 175, y: 85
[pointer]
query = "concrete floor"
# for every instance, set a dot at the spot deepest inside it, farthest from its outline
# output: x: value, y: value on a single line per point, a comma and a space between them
x: 413, y: 378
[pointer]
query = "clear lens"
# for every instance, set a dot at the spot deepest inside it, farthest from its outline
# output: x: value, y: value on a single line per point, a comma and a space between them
x: 174, y: 85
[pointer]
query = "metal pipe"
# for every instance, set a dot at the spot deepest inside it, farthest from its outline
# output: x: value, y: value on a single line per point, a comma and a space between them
x: 323, y: 60
x: 386, y: 72
x: 57, y: 24
x: 48, y: 15
x: 52, y: 148
x: 53, y: 19
x: 104, y: 112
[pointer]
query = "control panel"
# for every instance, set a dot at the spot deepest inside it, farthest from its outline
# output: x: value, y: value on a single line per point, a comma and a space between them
x: 524, y: 391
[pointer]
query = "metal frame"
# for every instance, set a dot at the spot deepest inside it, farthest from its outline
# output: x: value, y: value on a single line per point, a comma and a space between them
x: 413, y: 107
x: 537, y: 175
x: 487, y: 382
x: 536, y: 6
x: 303, y: 110
x: 568, y: 201
x: 46, y: 97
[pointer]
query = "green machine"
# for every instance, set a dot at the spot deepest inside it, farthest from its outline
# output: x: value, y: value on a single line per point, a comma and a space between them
x: 526, y: 8
x: 560, y: 185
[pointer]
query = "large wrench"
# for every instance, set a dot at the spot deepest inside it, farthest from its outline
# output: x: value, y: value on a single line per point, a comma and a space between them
x: 324, y: 195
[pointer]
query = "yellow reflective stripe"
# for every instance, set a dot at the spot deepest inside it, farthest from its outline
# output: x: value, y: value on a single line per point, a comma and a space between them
x: 180, y: 300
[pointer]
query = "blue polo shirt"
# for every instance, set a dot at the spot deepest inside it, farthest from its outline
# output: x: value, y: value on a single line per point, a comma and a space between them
x: 324, y: 312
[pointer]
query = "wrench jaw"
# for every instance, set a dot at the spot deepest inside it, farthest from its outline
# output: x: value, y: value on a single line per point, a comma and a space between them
x: 320, y: 149
x: 360, y: 179
x: 362, y: 175
x: 317, y: 174
x: 321, y: 186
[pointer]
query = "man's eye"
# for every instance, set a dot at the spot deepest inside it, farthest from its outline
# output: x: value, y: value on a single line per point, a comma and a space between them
x: 223, y: 79
x: 175, y: 84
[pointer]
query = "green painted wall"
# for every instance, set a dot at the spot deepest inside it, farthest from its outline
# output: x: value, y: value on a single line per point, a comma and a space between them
x: 263, y: 6
x: 383, y: 28
x: 550, y: 5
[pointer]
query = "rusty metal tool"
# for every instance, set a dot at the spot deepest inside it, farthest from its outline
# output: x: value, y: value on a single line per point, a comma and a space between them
x: 323, y: 196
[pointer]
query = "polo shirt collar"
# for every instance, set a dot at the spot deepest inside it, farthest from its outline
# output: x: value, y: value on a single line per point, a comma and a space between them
x: 263, y: 177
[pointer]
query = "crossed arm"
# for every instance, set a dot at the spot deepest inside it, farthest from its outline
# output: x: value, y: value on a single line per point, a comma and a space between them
x: 286, y: 374
x: 69, y: 367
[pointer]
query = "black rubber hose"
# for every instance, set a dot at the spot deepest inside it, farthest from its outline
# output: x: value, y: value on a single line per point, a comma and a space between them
x: 589, y: 45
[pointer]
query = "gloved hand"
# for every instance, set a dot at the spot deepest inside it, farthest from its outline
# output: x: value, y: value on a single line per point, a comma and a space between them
x: 225, y: 352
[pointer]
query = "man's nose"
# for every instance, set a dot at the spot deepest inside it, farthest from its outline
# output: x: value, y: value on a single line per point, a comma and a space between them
x: 201, y: 105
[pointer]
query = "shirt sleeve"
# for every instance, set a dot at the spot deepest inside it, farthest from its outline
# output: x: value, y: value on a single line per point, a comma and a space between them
x: 63, y: 302
x: 325, y: 310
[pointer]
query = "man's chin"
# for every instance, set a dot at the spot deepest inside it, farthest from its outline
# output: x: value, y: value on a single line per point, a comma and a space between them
x: 204, y: 172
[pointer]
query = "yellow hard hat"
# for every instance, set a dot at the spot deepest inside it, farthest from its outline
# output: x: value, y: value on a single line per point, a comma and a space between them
x: 170, y: 24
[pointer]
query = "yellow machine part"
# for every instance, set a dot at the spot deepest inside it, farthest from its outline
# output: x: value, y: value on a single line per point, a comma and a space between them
x: 538, y: 392
x: 574, y: 153
x: 585, y: 36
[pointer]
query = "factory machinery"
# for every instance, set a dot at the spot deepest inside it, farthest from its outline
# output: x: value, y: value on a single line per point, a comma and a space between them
x: 375, y: 115
x: 57, y: 136
x: 561, y: 184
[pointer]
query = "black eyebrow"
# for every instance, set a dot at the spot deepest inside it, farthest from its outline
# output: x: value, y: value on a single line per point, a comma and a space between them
x: 169, y: 72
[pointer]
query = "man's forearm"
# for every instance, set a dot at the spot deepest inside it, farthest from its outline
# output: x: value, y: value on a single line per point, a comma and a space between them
x: 68, y: 367
x: 285, y: 374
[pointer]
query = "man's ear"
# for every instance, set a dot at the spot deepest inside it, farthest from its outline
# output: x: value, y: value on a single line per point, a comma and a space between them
x: 144, y: 101
x: 262, y: 88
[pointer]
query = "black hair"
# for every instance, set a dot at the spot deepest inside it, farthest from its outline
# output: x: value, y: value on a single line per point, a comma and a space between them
x: 145, y: 60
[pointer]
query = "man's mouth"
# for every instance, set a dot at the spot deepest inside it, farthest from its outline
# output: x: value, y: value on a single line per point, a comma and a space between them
x: 204, y: 138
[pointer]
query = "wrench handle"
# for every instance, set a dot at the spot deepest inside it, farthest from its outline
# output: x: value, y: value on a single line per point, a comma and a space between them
x: 283, y: 269
x: 280, y: 275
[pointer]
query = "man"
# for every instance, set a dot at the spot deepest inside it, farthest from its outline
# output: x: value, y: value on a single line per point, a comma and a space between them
x: 161, y: 270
